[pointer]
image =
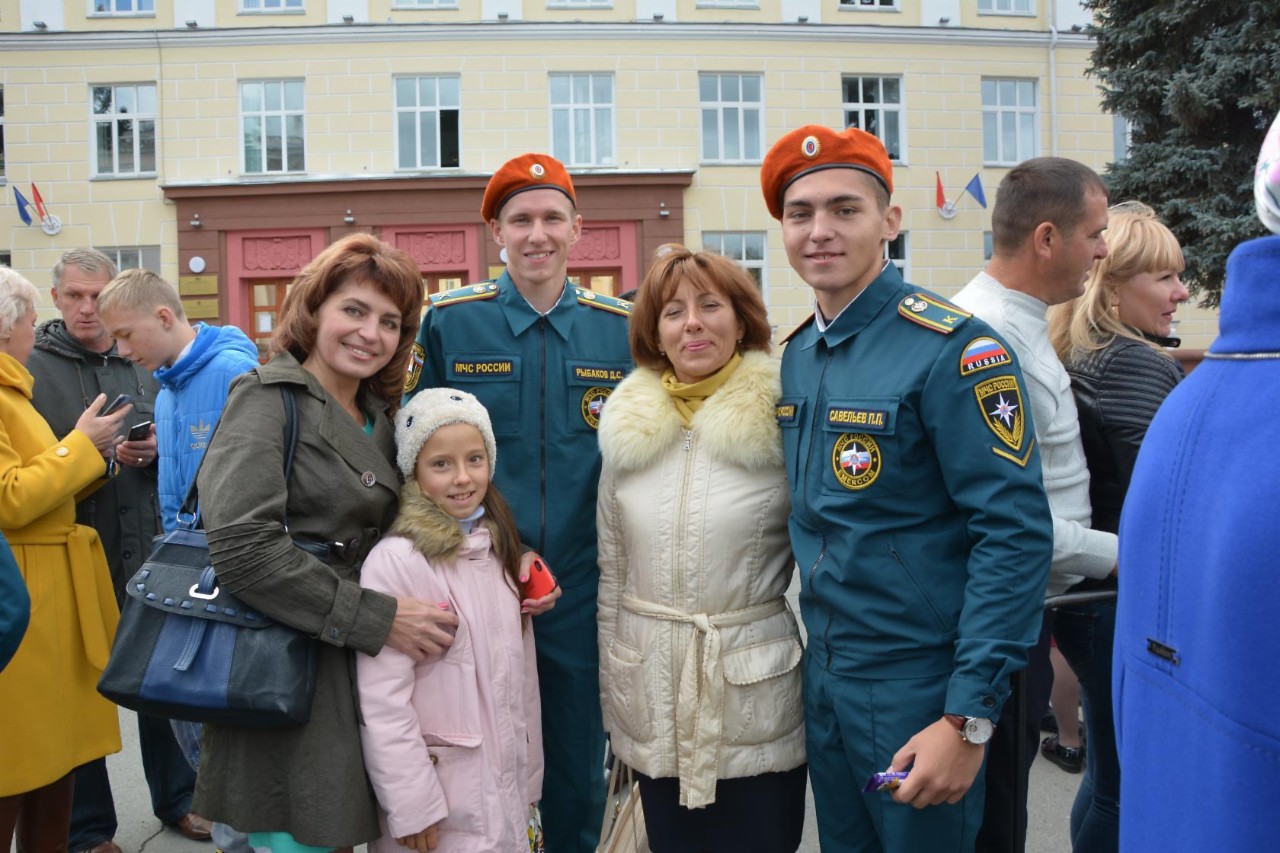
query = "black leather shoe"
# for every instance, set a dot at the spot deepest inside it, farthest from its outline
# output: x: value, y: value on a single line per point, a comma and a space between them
x: 1069, y: 758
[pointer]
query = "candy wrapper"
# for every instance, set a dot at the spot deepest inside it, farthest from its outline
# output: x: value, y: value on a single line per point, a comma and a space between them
x: 890, y: 780
x: 535, y: 829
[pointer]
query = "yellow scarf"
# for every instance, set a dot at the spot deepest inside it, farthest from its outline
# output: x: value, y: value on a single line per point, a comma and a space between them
x: 688, y: 399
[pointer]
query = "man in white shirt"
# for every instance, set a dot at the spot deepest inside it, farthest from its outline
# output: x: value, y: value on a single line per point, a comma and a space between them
x: 1047, y: 229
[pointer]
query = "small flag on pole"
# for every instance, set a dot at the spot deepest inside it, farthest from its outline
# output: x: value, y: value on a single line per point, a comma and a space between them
x: 35, y: 195
x: 974, y: 188
x: 23, y: 204
x: 942, y: 196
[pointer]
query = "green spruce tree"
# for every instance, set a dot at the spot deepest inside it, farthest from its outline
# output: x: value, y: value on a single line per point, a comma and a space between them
x: 1199, y: 82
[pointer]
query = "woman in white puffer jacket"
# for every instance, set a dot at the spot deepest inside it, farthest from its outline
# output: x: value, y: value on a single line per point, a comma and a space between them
x: 699, y: 652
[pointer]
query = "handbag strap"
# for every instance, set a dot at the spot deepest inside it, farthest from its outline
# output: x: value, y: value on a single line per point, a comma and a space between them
x: 191, y: 503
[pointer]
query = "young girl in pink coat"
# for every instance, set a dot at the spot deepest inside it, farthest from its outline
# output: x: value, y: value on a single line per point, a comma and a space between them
x: 452, y: 743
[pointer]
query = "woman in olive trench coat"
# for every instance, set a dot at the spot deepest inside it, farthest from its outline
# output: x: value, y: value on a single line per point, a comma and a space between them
x: 52, y: 718
x: 342, y: 346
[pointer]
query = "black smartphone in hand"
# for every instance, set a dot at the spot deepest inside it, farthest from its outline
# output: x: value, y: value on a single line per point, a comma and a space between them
x: 139, y: 432
x: 122, y: 400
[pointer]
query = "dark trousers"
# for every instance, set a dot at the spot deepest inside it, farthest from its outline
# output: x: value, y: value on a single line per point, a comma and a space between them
x: 763, y: 814
x: 38, y: 817
x: 169, y: 777
x: 1004, y: 817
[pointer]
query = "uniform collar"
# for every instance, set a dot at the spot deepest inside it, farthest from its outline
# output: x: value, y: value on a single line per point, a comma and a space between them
x: 520, y: 314
x: 858, y: 314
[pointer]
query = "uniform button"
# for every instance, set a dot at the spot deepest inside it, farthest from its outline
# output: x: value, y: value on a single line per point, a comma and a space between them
x: 61, y: 451
x: 127, y: 554
x: 988, y: 701
x: 124, y: 510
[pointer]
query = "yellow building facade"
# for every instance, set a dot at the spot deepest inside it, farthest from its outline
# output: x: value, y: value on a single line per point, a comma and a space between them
x: 224, y: 143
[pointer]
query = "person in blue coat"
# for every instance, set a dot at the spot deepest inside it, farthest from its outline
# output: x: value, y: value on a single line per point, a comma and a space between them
x: 1196, y: 645
x: 15, y: 604
x: 543, y: 356
x: 919, y: 521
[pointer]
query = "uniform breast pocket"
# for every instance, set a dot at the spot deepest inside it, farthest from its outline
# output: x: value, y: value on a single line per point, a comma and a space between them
x: 495, y: 380
x: 790, y: 414
x: 862, y: 452
x: 590, y: 383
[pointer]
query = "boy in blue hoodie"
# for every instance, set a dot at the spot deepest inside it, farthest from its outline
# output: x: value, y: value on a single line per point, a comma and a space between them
x: 195, y: 366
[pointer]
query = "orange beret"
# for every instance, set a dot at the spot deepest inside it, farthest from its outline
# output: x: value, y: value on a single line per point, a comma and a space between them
x: 813, y: 148
x: 526, y: 172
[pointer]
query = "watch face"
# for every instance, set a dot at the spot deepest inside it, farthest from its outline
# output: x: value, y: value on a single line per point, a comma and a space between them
x: 977, y: 730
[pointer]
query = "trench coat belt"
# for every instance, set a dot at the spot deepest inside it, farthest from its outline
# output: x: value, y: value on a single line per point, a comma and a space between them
x: 90, y: 584
x: 700, y: 702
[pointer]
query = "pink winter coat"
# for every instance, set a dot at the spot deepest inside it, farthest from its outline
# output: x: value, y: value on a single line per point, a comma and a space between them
x: 457, y: 737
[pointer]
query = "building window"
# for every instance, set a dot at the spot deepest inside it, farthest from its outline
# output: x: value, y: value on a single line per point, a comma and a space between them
x: 124, y: 7
x: 745, y: 247
x: 424, y: 4
x: 896, y: 251
x: 134, y: 257
x: 269, y: 5
x: 427, y: 122
x: 874, y: 104
x: 988, y: 245
x: 2, y: 173
x: 6, y: 260
x: 731, y: 109
x: 1020, y: 6
x: 1121, y: 138
x: 1008, y: 121
x: 124, y: 129
x: 868, y: 4
x: 582, y: 119
x: 590, y: 4
x: 271, y: 113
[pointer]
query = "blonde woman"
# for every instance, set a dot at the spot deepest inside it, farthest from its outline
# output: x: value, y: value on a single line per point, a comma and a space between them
x: 1114, y: 341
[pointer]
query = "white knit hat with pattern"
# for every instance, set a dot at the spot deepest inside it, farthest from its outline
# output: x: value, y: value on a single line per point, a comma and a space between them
x: 431, y: 409
x: 1266, y: 184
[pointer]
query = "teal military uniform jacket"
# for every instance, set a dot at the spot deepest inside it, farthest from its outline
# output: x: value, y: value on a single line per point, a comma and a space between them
x: 919, y: 520
x: 544, y: 381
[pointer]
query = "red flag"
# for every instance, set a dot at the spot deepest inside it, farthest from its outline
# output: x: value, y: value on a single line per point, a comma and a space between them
x: 942, y: 196
x: 39, y: 202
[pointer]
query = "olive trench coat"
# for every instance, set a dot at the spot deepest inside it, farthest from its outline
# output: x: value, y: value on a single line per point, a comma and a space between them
x: 52, y: 718
x: 307, y: 780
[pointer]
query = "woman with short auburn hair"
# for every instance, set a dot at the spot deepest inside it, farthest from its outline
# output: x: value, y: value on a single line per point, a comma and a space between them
x: 699, y: 651
x: 293, y: 550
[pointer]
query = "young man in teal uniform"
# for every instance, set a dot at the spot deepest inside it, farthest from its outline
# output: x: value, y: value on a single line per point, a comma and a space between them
x: 918, y: 518
x: 543, y: 355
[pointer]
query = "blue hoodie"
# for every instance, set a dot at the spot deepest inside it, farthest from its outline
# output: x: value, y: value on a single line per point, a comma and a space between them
x: 192, y: 394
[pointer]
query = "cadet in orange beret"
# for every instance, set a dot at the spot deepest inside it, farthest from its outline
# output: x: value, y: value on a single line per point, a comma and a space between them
x: 918, y: 517
x: 542, y: 355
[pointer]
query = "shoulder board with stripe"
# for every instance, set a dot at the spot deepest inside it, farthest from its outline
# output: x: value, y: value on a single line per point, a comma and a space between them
x: 471, y: 293
x: 797, y: 329
x: 604, y: 303
x: 932, y: 313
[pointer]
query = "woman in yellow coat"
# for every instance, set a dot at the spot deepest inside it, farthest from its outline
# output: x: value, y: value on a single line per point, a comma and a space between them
x: 52, y: 718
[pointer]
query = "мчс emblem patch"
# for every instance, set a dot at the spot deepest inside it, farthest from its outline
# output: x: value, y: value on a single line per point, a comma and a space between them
x: 982, y: 354
x: 855, y: 459
x: 417, y: 357
x: 1000, y: 399
x: 593, y: 404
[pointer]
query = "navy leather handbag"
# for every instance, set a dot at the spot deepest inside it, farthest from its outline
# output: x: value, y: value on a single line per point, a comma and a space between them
x: 187, y: 649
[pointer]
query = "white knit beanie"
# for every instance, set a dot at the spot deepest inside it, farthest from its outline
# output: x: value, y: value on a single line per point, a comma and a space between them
x: 431, y: 409
x: 1266, y: 184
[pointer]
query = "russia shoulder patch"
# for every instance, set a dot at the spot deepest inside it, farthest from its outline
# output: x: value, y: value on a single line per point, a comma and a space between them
x: 603, y: 302
x: 981, y: 354
x: 932, y: 313
x: 472, y: 293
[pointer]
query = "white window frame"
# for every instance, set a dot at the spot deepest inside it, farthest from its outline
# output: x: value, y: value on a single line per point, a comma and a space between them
x: 898, y: 108
x: 280, y: 7
x: 898, y: 251
x: 588, y: 112
x: 417, y: 109
x: 715, y: 241
x: 2, y: 158
x: 719, y: 107
x: 1006, y: 7
x: 263, y: 113
x: 115, y: 118
x: 579, y: 4
x: 108, y: 12
x: 1121, y: 137
x: 148, y: 257
x: 995, y: 115
x: 424, y: 4
x: 727, y: 4
x: 869, y: 5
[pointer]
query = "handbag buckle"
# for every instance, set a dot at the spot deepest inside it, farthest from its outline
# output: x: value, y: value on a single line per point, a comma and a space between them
x: 194, y: 592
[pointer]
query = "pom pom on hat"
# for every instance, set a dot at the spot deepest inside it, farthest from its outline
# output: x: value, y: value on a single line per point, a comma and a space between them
x: 526, y: 172
x: 812, y: 148
x: 1266, y: 181
x: 431, y: 409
